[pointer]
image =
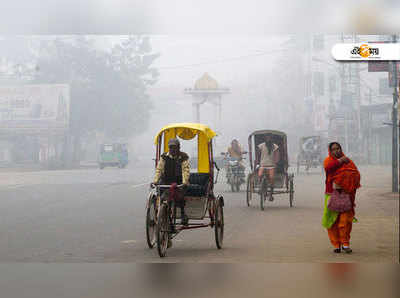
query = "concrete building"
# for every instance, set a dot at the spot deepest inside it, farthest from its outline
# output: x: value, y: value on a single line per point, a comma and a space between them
x: 34, y: 124
x: 338, y: 95
x: 377, y: 137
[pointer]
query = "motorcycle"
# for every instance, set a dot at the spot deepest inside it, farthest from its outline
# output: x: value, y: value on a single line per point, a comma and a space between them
x: 235, y: 175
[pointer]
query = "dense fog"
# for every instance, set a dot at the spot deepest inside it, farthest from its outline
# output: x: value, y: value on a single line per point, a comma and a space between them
x: 124, y: 88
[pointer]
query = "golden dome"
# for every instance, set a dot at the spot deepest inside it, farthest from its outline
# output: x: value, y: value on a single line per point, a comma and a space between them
x: 206, y: 83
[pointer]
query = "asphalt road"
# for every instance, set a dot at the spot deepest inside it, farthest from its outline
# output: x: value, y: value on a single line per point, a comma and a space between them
x: 99, y: 216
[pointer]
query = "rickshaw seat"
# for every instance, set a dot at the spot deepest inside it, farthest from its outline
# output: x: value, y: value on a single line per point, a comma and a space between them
x: 198, y: 183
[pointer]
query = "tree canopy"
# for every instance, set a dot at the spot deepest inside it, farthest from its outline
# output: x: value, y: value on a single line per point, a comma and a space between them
x: 108, y: 86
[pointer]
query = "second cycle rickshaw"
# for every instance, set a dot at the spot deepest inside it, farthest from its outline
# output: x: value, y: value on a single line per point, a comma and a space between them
x: 310, y: 153
x: 283, y: 181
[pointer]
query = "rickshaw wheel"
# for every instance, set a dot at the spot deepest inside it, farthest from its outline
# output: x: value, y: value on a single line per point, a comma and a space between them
x: 248, y: 191
x: 291, y: 192
x: 163, y: 231
x: 287, y: 179
x: 263, y: 193
x: 308, y: 166
x: 262, y: 201
x: 219, y: 223
x: 237, y: 186
x: 151, y: 224
x: 232, y: 187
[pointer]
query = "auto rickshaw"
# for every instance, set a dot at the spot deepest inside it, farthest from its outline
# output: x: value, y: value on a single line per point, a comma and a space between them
x: 283, y: 181
x: 310, y: 153
x: 202, y: 207
x: 113, y: 155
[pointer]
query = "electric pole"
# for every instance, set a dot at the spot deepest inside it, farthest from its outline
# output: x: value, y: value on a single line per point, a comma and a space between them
x: 395, y: 173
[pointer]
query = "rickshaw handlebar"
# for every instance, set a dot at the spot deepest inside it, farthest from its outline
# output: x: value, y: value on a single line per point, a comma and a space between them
x: 168, y: 185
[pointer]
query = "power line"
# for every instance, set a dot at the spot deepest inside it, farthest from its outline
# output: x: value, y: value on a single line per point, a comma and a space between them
x: 221, y: 61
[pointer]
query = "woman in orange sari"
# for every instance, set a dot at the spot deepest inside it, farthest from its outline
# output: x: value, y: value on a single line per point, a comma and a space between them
x: 341, y: 173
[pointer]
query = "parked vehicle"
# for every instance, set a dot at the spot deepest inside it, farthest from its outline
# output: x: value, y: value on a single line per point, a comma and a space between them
x: 113, y: 155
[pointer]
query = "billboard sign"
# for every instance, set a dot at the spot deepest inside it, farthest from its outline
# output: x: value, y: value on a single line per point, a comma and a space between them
x: 34, y: 107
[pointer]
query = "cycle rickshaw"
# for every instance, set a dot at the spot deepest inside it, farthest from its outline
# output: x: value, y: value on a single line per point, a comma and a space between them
x: 202, y: 207
x: 310, y: 153
x: 283, y: 181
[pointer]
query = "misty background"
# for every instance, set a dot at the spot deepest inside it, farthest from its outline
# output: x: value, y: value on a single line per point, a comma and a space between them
x: 127, y: 64
x: 125, y: 88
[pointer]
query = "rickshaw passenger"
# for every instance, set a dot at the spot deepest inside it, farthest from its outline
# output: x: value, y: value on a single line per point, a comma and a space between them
x: 268, y: 159
x: 174, y: 167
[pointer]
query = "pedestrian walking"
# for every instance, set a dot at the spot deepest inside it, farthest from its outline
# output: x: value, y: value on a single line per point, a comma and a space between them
x: 342, y: 181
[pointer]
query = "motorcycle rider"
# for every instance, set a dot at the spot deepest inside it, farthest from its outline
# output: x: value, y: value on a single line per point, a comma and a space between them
x: 235, y: 151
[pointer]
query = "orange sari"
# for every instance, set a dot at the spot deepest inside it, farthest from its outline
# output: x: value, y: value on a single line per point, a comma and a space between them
x: 347, y: 177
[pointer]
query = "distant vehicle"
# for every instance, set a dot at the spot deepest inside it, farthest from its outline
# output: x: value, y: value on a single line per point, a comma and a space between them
x: 219, y: 160
x: 113, y: 155
x: 235, y: 176
x: 310, y: 153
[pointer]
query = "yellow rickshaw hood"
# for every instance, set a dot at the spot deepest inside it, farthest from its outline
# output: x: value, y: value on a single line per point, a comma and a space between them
x: 187, y: 131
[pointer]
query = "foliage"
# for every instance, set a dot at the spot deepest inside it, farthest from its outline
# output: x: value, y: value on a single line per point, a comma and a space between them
x: 108, y: 88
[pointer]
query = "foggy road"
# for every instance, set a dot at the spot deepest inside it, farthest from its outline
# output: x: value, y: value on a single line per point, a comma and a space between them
x: 92, y: 94
x: 99, y: 216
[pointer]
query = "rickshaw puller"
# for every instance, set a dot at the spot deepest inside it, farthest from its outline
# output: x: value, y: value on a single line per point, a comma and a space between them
x: 174, y: 167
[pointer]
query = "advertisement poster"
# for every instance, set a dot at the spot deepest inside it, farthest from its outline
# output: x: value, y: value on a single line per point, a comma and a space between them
x: 34, y: 107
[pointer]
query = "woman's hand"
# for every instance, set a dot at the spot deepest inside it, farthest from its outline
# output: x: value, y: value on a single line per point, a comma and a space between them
x: 344, y: 159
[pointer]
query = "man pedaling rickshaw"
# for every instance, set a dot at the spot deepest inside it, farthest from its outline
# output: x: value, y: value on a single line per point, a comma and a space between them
x: 174, y: 167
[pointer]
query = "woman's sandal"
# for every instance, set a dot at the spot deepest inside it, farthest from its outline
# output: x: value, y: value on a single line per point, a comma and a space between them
x: 347, y: 250
x: 337, y: 250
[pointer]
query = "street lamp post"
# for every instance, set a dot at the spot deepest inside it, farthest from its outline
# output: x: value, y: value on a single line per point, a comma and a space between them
x: 395, y: 174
